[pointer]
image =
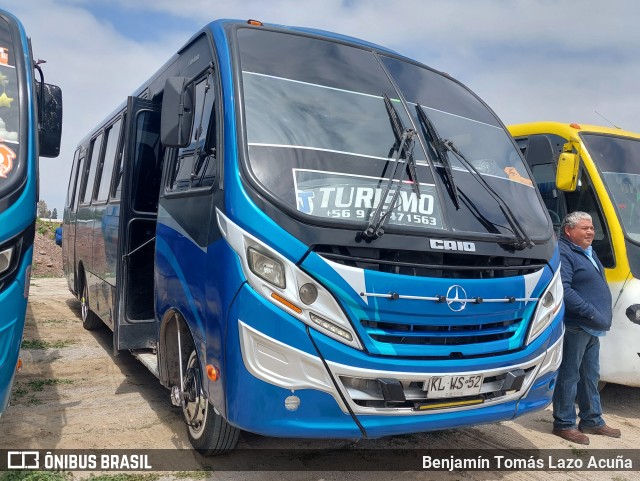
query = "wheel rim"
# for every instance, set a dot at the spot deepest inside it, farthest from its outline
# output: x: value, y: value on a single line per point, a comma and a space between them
x: 196, y: 406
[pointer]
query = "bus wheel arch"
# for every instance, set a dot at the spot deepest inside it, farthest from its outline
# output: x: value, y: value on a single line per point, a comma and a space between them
x: 209, y: 433
x: 168, y: 352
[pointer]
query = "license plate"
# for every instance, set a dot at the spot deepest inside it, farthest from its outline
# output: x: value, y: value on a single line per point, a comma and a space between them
x: 453, y: 386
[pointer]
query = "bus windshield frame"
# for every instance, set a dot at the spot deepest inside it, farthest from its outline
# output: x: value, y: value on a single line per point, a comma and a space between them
x: 320, y: 145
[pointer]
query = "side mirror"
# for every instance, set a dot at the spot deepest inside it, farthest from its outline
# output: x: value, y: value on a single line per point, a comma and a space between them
x: 177, y: 112
x: 50, y: 119
x: 567, y: 173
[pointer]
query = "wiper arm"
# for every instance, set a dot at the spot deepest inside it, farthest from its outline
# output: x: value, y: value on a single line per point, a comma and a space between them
x: 523, y: 241
x: 404, y: 150
x: 440, y: 150
x: 399, y: 131
x: 375, y: 228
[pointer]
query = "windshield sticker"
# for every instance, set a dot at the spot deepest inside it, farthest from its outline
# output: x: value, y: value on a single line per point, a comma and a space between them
x: 515, y: 176
x: 6, y: 160
x: 4, y: 56
x: 353, y: 198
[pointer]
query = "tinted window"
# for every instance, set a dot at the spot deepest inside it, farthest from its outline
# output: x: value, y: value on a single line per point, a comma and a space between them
x: 113, y: 136
x: 117, y: 172
x: 12, y: 167
x: 96, y: 145
x: 72, y: 181
x: 321, y: 145
x: 194, y: 165
x: 147, y: 169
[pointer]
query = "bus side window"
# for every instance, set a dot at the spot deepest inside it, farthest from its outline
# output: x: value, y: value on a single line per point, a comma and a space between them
x: 71, y: 192
x: 89, y: 187
x: 584, y: 199
x: 194, y: 165
x: 116, y: 188
x: 112, y: 135
x: 147, y: 170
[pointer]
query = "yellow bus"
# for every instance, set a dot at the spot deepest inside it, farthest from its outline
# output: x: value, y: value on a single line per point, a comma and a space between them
x: 597, y: 170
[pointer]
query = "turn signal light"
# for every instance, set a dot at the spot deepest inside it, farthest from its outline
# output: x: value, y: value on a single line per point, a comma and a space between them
x: 287, y: 303
x: 256, y: 23
x: 213, y: 373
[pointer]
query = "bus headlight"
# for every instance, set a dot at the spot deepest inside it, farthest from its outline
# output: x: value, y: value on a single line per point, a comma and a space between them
x: 548, y: 306
x: 287, y: 286
x: 267, y: 268
x: 5, y: 259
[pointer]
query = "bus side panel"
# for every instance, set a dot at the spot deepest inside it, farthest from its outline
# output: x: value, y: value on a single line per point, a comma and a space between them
x: 102, y: 269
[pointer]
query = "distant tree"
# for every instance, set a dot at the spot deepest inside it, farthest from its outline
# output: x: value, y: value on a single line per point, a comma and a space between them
x: 42, y: 210
x: 54, y: 214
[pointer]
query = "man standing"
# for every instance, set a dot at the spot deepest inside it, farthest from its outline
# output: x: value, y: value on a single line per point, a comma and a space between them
x: 588, y: 316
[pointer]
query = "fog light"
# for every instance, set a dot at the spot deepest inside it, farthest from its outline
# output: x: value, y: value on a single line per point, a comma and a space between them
x: 308, y: 293
x: 292, y: 403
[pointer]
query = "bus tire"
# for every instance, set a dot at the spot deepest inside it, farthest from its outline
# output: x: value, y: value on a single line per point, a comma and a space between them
x: 209, y: 433
x: 90, y: 321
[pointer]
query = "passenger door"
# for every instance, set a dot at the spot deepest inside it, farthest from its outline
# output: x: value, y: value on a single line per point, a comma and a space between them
x: 135, y: 326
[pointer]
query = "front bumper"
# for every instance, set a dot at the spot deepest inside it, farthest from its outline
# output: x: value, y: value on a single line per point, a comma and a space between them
x: 281, y: 390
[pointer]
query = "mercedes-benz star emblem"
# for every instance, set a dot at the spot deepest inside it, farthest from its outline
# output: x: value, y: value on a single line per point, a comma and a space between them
x: 456, y: 298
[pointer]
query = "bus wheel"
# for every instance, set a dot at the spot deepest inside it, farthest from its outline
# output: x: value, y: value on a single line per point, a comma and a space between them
x: 90, y: 321
x: 209, y: 433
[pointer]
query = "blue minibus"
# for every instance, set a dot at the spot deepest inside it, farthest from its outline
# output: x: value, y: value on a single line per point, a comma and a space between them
x: 303, y: 234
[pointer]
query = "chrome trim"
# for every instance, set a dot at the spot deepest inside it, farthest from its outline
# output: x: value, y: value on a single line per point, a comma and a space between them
x: 473, y: 300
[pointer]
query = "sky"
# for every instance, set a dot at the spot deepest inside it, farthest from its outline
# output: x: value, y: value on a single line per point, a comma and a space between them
x: 529, y: 60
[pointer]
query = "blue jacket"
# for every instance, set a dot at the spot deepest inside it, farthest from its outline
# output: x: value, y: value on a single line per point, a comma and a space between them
x: 59, y: 236
x: 587, y: 297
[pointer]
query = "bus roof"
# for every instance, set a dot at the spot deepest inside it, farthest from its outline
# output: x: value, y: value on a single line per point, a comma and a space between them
x: 308, y: 30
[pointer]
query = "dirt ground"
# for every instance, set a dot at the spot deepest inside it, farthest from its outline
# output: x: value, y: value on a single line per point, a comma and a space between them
x: 47, y: 256
x: 73, y: 393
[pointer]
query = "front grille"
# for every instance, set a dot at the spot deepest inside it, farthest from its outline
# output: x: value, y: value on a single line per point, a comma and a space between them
x: 440, y: 335
x: 430, y: 264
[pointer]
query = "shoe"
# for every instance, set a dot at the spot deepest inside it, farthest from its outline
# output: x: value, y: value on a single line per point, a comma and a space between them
x: 572, y: 435
x: 603, y: 430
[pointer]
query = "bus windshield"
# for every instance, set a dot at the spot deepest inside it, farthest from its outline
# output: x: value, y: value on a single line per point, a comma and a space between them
x: 11, y: 170
x: 618, y: 158
x: 321, y: 143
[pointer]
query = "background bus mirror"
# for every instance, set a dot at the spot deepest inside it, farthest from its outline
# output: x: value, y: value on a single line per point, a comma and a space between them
x: 567, y: 173
x: 177, y: 112
x: 50, y: 112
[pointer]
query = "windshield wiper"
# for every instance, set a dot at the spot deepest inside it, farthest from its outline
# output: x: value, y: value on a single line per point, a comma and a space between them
x: 440, y: 151
x: 523, y: 241
x: 405, y: 139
